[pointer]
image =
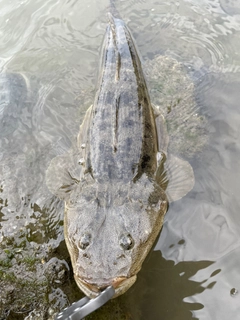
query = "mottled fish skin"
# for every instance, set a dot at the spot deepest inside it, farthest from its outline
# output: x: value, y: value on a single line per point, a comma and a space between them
x: 114, y: 204
x: 123, y: 204
x: 123, y: 142
x: 117, y: 180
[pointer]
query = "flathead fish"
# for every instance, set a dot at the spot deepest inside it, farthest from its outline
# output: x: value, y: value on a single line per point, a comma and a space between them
x: 118, y: 178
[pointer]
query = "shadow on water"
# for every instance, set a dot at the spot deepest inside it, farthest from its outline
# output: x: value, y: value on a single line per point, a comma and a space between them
x: 172, y: 283
x: 164, y: 298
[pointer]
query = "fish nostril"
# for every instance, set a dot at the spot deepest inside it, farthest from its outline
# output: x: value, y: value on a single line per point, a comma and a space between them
x: 126, y: 242
x: 84, y: 241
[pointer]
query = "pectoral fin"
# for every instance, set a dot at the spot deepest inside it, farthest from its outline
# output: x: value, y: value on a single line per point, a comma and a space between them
x: 64, y: 171
x: 63, y: 174
x: 176, y: 177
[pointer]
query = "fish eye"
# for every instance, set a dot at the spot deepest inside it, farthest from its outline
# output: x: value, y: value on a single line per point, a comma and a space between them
x: 126, y: 242
x: 85, y: 241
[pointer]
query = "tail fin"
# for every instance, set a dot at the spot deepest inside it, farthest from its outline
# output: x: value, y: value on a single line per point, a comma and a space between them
x: 113, y: 9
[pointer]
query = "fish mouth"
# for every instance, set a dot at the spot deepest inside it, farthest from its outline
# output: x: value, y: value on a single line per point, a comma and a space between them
x: 92, y: 290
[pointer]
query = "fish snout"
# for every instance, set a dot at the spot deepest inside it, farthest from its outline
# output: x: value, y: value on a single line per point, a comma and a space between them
x: 92, y: 288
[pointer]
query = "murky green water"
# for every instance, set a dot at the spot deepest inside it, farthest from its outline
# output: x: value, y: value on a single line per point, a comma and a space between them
x: 194, y: 269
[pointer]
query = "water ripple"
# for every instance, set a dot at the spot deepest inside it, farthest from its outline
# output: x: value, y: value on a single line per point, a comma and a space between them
x: 56, y: 44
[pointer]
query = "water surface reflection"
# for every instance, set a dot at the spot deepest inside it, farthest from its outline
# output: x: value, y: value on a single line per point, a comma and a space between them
x: 56, y: 45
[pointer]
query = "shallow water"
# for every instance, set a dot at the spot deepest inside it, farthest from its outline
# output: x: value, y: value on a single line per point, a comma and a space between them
x: 194, y: 269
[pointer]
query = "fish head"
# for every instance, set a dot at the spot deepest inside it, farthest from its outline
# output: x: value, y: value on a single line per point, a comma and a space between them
x: 109, y: 230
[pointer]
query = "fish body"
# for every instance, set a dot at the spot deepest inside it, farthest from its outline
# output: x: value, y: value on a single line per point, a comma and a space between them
x: 123, y: 141
x: 114, y: 180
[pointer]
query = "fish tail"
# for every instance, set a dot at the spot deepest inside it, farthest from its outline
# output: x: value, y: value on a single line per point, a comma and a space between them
x: 113, y: 26
x: 113, y: 9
